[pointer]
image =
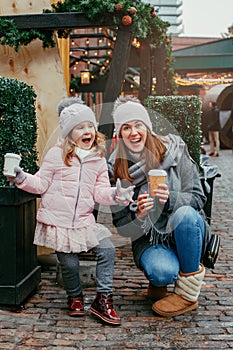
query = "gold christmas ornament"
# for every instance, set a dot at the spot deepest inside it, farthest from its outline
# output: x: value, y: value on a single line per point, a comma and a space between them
x: 132, y: 10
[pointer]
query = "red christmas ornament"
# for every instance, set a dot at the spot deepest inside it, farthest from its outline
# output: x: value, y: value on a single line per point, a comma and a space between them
x: 126, y: 20
x: 153, y: 14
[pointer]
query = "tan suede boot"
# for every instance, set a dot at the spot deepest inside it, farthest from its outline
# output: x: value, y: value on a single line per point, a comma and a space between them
x: 185, y: 296
x: 156, y: 293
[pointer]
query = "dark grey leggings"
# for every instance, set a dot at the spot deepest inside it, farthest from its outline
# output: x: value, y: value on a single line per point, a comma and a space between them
x: 105, y: 253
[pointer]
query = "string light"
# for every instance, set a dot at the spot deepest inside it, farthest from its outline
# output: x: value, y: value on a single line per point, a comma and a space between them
x: 85, y: 61
x: 202, y: 81
x: 136, y: 43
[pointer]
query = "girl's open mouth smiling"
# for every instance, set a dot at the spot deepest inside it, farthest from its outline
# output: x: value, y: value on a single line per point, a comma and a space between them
x: 86, y: 140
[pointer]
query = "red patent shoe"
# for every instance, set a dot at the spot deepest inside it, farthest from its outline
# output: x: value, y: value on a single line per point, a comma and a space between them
x: 102, y: 307
x: 76, y: 305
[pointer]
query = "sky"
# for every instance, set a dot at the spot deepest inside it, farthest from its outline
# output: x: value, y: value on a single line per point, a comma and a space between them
x: 207, y: 18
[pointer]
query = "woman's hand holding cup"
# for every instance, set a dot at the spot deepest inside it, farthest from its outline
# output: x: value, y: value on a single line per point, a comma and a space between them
x: 145, y: 204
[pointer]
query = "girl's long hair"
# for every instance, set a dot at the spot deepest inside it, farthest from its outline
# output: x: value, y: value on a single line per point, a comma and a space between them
x: 68, y: 147
x: 154, y: 153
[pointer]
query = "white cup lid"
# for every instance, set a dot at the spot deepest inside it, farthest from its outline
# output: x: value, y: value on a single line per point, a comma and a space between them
x: 12, y: 155
x: 157, y: 172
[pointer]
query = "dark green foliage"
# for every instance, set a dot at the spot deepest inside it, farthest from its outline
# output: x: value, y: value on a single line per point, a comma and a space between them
x: 12, y: 36
x: 144, y: 25
x: 18, y: 126
x: 181, y: 115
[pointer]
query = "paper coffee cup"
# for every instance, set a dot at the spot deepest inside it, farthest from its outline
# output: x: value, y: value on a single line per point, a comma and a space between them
x: 156, y: 177
x: 11, y: 160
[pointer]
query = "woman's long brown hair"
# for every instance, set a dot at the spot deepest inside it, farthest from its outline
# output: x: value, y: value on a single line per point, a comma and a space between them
x: 154, y: 153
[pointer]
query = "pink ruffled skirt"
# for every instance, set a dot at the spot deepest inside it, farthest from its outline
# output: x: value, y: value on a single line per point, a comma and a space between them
x: 70, y: 240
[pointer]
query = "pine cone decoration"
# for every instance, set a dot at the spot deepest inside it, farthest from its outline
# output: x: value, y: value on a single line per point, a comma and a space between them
x: 118, y: 6
x: 126, y: 20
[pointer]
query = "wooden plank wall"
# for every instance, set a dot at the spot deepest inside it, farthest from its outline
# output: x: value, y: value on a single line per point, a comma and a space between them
x: 38, y: 67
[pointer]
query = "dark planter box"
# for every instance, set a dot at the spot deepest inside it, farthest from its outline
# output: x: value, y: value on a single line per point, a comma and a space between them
x: 20, y: 273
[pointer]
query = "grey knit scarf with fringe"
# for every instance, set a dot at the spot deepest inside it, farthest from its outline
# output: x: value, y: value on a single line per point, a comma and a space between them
x: 138, y: 172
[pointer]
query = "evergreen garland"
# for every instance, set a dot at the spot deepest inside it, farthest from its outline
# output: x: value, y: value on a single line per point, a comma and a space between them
x: 145, y: 22
x: 12, y: 36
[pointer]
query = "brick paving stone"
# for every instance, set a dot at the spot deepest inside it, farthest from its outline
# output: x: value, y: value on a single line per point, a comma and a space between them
x: 43, y: 323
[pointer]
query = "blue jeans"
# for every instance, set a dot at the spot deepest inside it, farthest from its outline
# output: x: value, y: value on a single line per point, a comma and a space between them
x: 161, y: 264
x: 105, y: 253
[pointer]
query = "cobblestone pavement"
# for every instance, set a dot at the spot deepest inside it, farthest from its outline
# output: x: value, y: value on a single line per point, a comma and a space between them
x: 43, y: 323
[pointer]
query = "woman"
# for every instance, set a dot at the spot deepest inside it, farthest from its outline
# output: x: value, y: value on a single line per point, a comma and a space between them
x: 167, y: 231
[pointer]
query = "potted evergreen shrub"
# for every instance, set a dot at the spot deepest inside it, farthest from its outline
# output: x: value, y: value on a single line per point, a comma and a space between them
x: 181, y: 115
x: 19, y: 270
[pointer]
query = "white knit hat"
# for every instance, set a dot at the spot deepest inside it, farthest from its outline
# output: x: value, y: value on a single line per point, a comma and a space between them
x: 129, y: 111
x: 73, y: 115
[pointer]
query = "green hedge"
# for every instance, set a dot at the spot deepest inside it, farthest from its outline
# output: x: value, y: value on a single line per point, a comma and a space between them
x: 18, y: 126
x: 179, y: 115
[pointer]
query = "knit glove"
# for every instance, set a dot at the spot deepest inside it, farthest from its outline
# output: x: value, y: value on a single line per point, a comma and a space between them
x: 123, y: 195
x: 20, y: 176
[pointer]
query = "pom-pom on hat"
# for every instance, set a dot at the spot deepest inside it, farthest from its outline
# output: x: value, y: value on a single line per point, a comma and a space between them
x: 68, y: 101
x: 129, y: 111
x: 73, y: 115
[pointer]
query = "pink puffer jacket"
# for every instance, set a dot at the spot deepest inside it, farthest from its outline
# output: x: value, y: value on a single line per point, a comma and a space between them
x: 67, y: 193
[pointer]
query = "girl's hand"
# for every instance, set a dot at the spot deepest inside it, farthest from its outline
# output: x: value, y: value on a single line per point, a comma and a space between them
x: 162, y: 193
x: 145, y: 204
x: 123, y: 195
x: 19, y: 178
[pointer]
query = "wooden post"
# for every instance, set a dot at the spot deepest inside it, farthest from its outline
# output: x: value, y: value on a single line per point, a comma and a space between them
x: 159, y: 68
x: 118, y: 68
x: 64, y: 49
x: 145, y: 70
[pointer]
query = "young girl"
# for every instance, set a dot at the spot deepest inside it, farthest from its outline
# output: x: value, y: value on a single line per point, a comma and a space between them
x: 72, y: 177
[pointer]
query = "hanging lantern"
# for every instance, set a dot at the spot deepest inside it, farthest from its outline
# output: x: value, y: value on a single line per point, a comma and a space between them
x: 85, y: 76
